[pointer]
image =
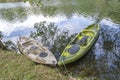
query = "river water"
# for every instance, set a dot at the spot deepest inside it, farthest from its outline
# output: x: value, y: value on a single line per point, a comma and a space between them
x: 62, y: 19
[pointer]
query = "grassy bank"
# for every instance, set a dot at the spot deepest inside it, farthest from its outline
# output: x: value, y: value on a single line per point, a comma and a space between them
x: 17, y: 67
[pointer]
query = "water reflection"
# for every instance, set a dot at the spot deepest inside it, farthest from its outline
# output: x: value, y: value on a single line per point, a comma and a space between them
x: 12, y: 15
x: 13, y: 5
x: 1, y: 36
x: 51, y: 36
x: 56, y: 23
x: 109, y: 9
x: 4, y: 1
x: 103, y: 60
x: 107, y: 53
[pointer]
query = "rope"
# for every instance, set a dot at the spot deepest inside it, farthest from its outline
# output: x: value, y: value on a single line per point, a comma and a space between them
x: 66, y: 70
x: 58, y: 72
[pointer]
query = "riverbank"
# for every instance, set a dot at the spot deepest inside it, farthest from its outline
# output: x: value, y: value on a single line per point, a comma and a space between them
x: 18, y: 67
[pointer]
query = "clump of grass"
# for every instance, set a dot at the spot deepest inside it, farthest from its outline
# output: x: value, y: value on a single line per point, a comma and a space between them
x: 18, y: 67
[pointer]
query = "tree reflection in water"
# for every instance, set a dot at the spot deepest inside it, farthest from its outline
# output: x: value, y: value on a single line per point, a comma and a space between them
x: 51, y: 36
x: 1, y: 44
x: 102, y: 61
x: 108, y: 56
x: 1, y: 36
x: 7, y: 45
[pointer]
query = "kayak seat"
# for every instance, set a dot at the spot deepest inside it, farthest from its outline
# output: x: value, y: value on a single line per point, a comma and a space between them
x: 74, y: 49
x: 83, y: 41
x: 33, y: 47
x: 43, y: 54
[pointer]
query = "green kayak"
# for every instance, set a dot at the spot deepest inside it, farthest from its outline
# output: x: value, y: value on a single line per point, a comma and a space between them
x: 82, y: 42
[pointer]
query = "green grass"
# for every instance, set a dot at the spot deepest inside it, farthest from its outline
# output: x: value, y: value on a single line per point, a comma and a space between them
x: 18, y: 67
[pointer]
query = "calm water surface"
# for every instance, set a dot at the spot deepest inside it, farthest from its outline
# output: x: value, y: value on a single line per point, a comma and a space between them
x: 57, y: 21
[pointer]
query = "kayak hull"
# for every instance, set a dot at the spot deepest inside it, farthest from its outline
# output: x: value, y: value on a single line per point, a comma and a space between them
x: 36, y: 51
x: 75, y: 50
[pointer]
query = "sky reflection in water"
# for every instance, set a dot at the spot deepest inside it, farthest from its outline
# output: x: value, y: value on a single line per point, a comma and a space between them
x: 75, y: 24
x: 106, y: 50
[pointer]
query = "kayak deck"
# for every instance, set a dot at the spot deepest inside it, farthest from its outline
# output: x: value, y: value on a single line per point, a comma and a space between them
x: 36, y: 51
x: 79, y: 45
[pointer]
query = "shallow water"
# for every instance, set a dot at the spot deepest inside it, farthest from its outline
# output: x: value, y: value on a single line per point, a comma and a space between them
x: 58, y: 21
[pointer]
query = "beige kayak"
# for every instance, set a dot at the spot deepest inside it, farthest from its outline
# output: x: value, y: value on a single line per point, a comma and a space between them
x: 36, y: 51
